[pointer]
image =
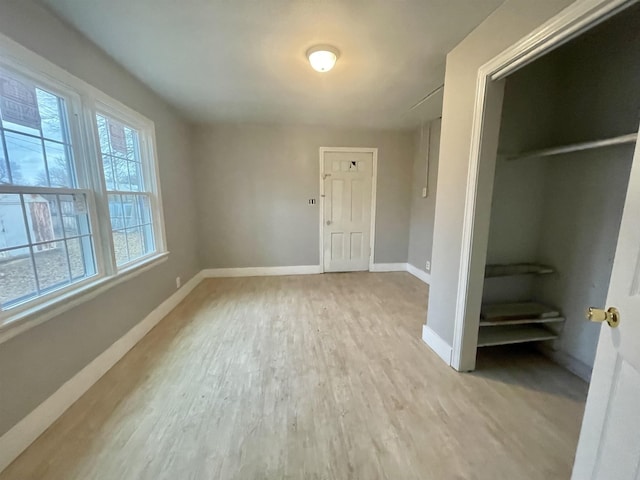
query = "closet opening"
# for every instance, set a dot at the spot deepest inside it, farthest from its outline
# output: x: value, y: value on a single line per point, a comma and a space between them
x: 568, y: 128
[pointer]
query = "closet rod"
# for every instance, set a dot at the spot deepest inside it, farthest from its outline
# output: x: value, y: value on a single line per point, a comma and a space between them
x: 576, y: 147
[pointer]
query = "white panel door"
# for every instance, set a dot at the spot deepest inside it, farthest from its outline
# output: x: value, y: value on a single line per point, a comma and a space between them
x: 609, y: 446
x: 347, y: 210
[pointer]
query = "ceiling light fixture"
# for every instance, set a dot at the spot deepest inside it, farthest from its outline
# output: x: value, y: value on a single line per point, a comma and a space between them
x: 322, y: 57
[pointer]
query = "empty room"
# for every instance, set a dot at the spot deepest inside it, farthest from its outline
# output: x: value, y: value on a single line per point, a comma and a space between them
x: 319, y: 239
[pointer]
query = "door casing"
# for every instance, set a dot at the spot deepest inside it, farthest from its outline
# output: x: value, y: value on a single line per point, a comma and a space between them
x: 374, y: 180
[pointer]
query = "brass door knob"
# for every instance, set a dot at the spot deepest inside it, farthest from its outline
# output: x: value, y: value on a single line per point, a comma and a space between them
x: 611, y: 316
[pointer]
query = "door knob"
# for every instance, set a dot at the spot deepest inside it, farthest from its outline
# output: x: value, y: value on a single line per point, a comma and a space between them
x: 328, y: 222
x: 611, y: 316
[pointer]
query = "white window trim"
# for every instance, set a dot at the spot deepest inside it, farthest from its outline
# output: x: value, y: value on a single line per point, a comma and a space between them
x: 85, y: 102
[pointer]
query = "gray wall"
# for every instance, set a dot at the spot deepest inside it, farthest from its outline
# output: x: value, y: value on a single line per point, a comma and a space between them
x: 36, y: 363
x: 506, y: 25
x: 423, y: 209
x: 578, y: 237
x: 254, y: 183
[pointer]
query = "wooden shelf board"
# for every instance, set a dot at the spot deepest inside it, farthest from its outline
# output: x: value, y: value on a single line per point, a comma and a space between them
x: 517, y: 311
x: 508, y: 270
x: 520, y: 321
x: 505, y: 335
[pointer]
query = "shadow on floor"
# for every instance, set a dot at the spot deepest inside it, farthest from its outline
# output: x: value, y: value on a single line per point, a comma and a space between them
x: 525, y: 366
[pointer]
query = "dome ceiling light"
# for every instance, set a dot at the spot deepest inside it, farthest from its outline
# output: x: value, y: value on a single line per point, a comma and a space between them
x: 322, y: 57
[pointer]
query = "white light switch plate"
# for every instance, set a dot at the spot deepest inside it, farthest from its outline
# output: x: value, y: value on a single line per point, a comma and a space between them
x: 424, y: 192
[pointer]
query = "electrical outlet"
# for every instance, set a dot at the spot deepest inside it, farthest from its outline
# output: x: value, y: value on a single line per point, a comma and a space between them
x: 427, y: 266
x: 178, y: 282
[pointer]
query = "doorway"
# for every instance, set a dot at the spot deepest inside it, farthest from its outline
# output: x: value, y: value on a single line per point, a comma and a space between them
x: 347, y: 208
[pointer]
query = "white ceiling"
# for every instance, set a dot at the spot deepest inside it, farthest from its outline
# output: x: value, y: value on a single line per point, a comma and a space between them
x: 244, y: 60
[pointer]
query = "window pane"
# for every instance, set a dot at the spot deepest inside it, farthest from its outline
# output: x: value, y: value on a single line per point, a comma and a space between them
x: 149, y: 241
x: 121, y: 172
x: 135, y: 177
x: 120, y: 247
x: 116, y: 212
x: 75, y: 217
x: 17, y: 280
x: 132, y: 149
x: 81, y: 257
x: 51, y: 265
x: 135, y: 242
x: 4, y: 168
x: 51, y: 118
x: 12, y: 230
x: 131, y: 210
x: 109, y: 177
x: 26, y: 159
x: 19, y: 104
x: 144, y: 204
x: 34, y: 130
x: 58, y: 162
x: 103, y: 134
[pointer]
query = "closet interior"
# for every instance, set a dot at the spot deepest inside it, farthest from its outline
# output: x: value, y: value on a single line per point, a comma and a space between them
x: 568, y: 132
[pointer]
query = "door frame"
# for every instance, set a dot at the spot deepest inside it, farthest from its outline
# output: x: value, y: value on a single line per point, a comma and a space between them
x: 568, y: 24
x: 374, y: 182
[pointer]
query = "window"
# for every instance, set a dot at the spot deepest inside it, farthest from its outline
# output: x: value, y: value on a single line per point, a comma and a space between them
x: 129, y: 195
x: 79, y: 197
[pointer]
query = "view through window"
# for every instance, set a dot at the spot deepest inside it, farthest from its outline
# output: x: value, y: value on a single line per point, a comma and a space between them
x: 45, y: 234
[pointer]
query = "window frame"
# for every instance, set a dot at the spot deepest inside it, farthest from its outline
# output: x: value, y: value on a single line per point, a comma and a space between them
x: 82, y: 103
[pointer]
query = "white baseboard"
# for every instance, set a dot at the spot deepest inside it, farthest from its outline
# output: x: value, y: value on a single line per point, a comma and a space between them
x: 25, y: 432
x: 437, y: 344
x: 389, y: 267
x: 419, y: 273
x: 306, y: 270
x: 261, y: 271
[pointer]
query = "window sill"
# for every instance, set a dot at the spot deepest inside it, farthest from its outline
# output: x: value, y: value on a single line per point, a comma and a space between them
x: 29, y: 318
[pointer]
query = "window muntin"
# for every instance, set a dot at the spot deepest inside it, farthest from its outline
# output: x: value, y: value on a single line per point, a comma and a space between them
x: 129, y: 192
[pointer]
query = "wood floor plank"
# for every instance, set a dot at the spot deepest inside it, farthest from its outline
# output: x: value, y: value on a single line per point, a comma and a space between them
x: 311, y: 377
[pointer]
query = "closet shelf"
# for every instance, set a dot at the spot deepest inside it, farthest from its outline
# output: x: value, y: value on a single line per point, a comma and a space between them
x: 575, y: 147
x: 488, y: 337
x: 505, y: 323
x: 520, y: 321
x: 492, y: 271
x: 496, y: 312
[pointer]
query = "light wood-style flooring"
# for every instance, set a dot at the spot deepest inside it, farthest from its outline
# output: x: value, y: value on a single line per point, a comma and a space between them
x: 311, y: 377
